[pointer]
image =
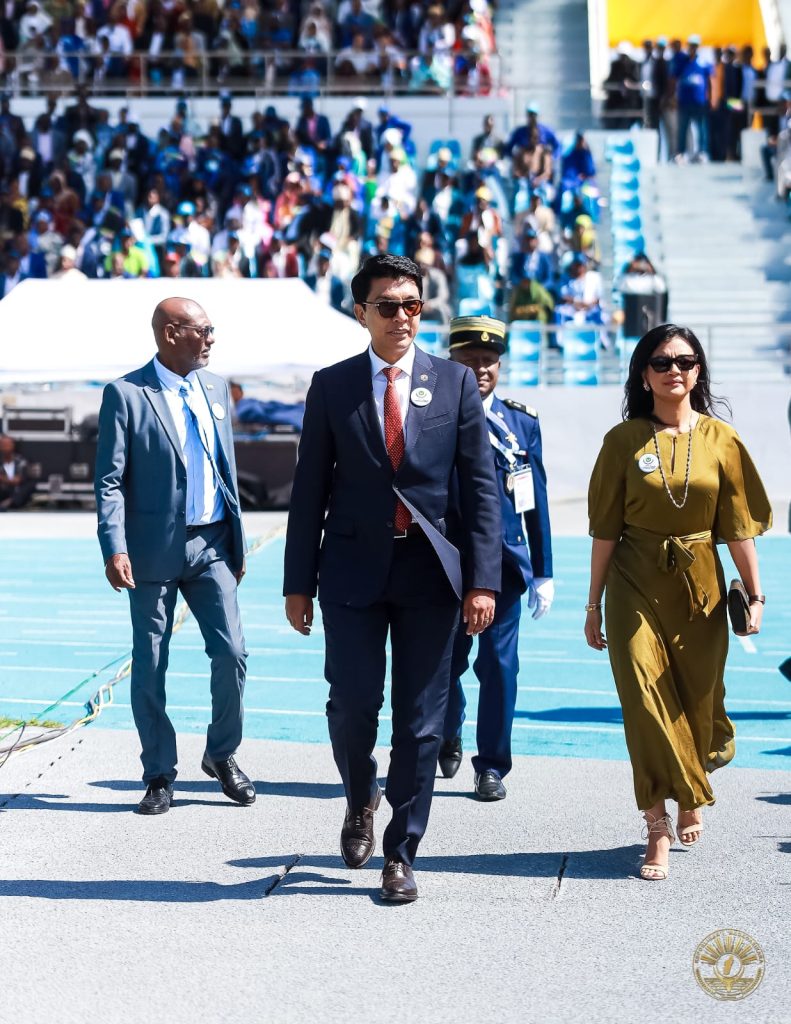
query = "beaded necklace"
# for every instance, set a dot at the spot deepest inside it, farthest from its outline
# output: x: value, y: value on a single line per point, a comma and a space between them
x: 669, y: 493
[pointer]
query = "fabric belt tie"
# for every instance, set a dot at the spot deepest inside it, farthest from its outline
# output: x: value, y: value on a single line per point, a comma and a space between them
x: 676, y: 558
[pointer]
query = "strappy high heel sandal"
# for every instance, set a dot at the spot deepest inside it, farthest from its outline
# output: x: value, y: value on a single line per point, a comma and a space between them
x: 656, y: 825
x: 686, y: 831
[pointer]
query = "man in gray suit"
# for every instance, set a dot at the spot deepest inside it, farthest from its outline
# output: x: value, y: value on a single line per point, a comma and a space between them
x: 169, y: 521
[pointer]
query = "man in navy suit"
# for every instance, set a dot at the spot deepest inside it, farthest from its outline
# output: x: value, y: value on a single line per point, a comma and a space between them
x: 168, y: 508
x: 526, y: 554
x: 395, y: 515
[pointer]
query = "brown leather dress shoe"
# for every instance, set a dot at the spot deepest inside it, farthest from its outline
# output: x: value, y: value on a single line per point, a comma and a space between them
x: 398, y: 882
x: 357, y: 835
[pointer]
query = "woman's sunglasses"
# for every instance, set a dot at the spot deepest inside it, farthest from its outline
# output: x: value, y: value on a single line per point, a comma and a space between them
x: 387, y: 308
x: 662, y: 364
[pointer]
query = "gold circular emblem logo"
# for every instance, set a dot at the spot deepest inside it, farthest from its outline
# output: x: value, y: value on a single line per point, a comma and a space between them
x: 484, y: 335
x: 728, y: 964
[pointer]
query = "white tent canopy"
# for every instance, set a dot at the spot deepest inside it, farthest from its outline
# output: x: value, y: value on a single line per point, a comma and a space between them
x: 61, y: 331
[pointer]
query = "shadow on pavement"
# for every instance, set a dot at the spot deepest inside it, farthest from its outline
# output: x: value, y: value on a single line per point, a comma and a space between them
x: 311, y: 879
x: 614, y: 715
x: 309, y: 790
x: 612, y: 863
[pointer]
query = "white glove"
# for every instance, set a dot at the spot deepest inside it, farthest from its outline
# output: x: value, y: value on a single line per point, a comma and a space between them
x: 540, y: 596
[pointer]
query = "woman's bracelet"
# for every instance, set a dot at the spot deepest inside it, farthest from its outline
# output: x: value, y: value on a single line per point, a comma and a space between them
x: 592, y: 607
x: 756, y: 598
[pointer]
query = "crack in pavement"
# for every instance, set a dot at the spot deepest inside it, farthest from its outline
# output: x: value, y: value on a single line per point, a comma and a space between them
x: 292, y: 863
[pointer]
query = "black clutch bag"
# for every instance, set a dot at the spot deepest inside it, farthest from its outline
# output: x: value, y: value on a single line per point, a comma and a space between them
x: 738, y: 608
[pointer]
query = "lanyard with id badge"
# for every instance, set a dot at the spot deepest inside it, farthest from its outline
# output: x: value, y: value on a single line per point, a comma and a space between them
x: 519, y: 480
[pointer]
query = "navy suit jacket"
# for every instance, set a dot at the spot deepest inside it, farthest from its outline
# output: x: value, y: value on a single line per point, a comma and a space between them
x: 345, y: 488
x: 527, y: 542
x: 141, y: 477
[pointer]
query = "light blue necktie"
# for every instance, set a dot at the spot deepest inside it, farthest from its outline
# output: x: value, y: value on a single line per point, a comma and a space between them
x: 196, y: 434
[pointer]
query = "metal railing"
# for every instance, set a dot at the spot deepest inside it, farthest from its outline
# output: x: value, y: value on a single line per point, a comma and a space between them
x: 254, y: 72
x: 730, y: 354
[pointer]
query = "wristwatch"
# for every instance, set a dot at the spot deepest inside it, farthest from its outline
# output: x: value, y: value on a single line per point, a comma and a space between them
x: 756, y: 598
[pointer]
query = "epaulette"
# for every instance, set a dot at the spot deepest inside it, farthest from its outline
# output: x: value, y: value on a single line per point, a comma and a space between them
x: 518, y: 407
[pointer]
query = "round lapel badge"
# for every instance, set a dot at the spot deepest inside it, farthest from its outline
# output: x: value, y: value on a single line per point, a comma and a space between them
x: 648, y: 463
x: 420, y: 396
x: 218, y: 411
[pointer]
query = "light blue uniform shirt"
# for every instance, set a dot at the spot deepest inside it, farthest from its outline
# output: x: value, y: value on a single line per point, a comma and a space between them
x: 205, y: 503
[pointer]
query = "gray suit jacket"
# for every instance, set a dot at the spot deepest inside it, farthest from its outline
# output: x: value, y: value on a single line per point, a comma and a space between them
x: 141, y: 477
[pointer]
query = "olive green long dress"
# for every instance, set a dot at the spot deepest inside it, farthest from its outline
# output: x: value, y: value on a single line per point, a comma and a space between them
x: 665, y: 596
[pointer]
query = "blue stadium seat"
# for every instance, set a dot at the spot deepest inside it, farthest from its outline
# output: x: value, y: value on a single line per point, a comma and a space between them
x: 580, y: 355
x: 524, y: 352
x: 433, y: 338
x: 619, y: 146
x: 474, y: 307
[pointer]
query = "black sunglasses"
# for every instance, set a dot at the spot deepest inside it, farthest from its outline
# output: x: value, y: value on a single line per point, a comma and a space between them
x: 204, y: 332
x: 387, y: 308
x: 662, y: 364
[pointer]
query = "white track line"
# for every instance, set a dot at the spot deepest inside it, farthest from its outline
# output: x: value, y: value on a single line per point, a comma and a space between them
x: 469, y: 723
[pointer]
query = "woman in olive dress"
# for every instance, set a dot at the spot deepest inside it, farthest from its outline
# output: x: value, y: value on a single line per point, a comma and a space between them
x: 669, y: 482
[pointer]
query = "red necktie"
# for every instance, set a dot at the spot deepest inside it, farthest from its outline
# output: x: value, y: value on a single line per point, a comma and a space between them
x: 394, y: 440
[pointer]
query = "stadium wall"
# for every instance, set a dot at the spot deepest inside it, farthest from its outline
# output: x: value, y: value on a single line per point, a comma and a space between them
x: 452, y: 117
x: 725, y: 22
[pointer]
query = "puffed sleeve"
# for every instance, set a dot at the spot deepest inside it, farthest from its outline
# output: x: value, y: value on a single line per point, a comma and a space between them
x: 607, y: 492
x: 743, y: 509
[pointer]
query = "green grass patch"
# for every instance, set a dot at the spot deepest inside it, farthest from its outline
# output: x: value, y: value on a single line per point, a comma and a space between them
x: 15, y: 723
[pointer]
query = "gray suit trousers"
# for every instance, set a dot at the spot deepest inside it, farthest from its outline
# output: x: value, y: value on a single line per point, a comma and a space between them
x: 209, y: 588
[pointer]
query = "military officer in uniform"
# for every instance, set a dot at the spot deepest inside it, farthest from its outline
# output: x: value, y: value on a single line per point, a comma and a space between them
x: 515, y: 437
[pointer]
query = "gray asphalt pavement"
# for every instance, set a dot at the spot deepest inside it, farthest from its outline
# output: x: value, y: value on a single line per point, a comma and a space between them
x: 530, y: 910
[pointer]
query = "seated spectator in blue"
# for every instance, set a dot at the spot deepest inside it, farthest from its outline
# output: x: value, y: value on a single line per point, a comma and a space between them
x: 329, y: 288
x: 577, y: 165
x: 313, y: 133
x: 433, y: 176
x: 212, y: 164
x: 531, y: 261
x: 520, y: 137
x: 44, y: 239
x: 580, y: 295
x: 170, y: 162
x: 305, y: 79
x: 389, y: 120
x: 255, y: 411
x: 70, y: 47
x: 693, y: 90
x: 10, y: 274
x: 355, y: 20
x: 31, y: 264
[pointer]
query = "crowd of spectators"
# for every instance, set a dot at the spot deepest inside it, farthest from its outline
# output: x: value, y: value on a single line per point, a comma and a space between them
x: 699, y: 100
x: 508, y: 228
x: 414, y: 45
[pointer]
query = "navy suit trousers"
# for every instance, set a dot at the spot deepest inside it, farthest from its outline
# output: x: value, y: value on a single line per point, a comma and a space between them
x: 209, y: 588
x: 496, y: 667
x: 421, y: 613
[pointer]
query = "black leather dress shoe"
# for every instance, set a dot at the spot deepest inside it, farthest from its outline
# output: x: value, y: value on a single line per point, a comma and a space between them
x: 489, y: 786
x: 398, y: 883
x: 232, y: 779
x: 450, y: 757
x: 357, y: 835
x: 158, y: 798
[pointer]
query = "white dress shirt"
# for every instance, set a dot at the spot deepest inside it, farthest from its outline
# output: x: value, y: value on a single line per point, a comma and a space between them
x: 403, y: 383
x: 205, y: 503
